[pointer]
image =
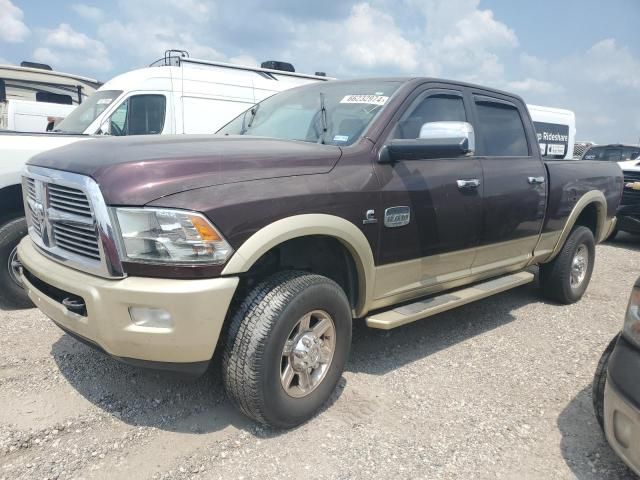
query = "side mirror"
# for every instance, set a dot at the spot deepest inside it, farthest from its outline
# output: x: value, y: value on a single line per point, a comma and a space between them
x: 437, y: 140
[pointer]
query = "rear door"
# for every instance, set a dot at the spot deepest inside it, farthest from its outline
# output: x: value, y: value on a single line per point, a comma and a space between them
x: 515, y: 190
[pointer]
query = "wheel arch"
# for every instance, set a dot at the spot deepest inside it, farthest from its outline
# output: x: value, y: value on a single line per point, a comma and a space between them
x: 590, y: 211
x: 289, y: 228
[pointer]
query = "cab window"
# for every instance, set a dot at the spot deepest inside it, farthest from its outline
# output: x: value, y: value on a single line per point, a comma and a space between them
x: 500, y: 129
x: 434, y: 108
x: 139, y: 115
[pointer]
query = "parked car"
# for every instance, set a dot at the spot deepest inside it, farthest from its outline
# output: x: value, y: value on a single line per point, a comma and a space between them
x: 629, y: 210
x: 387, y: 200
x: 616, y: 390
x: 177, y: 94
x: 612, y: 153
x: 33, y: 92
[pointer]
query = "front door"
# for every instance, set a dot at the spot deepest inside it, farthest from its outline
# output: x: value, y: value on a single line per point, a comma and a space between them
x: 438, y: 242
x: 515, y: 189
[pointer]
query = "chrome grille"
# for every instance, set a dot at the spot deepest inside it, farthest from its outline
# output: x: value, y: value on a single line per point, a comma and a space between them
x: 69, y: 221
x: 629, y: 195
x: 69, y: 200
x: 32, y: 196
x: 77, y: 239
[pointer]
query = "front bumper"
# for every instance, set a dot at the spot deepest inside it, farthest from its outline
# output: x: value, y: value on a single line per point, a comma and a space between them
x: 622, y: 403
x: 197, y: 309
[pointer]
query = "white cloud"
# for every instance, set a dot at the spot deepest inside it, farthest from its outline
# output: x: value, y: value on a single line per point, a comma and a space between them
x: 87, y: 11
x: 372, y: 39
x: 611, y: 64
x: 12, y: 27
x: 151, y: 39
x: 247, y: 60
x: 66, y: 48
x: 462, y: 41
x: 532, y: 85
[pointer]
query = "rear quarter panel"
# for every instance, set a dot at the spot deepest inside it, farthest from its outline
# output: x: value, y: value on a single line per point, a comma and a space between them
x: 569, y: 180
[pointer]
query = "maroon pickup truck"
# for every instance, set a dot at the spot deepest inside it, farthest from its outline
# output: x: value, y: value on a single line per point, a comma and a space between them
x: 382, y: 200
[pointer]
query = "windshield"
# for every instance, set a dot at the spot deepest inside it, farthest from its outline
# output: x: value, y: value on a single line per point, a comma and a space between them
x: 85, y: 113
x: 335, y: 113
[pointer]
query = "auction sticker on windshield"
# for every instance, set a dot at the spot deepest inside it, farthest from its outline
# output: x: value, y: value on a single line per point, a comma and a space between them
x: 368, y: 99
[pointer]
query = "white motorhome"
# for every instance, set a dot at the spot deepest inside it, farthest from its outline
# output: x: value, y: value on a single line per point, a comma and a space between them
x: 32, y: 93
x: 556, y: 130
x: 175, y: 95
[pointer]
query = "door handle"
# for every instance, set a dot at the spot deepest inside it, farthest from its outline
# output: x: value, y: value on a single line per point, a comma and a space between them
x: 471, y: 183
x: 535, y: 180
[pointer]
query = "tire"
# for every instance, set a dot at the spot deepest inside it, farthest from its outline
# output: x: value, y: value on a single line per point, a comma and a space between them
x: 12, y: 295
x: 600, y: 381
x: 612, y: 235
x: 556, y: 276
x: 267, y: 321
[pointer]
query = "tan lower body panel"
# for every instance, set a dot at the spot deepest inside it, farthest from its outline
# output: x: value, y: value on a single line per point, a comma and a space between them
x: 622, y: 427
x: 398, y: 316
x: 197, y: 308
x: 404, y: 281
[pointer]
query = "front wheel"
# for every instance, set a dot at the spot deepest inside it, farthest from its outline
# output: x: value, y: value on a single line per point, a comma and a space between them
x: 12, y: 295
x: 566, y: 277
x: 286, y: 347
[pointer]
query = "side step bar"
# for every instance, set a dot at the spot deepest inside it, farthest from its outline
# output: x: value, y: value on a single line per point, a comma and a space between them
x: 424, y: 308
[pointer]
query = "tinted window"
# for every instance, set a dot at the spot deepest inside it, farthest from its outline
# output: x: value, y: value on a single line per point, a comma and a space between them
x: 630, y: 153
x: 139, y: 115
x: 435, y: 108
x: 604, y: 154
x: 50, y: 97
x: 500, y: 129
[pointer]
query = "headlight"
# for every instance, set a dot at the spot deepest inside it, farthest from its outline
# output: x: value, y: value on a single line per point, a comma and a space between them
x: 160, y: 235
x: 632, y: 319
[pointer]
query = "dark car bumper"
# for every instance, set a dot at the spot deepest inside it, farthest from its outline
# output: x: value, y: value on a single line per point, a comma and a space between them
x: 622, y: 403
x: 629, y: 222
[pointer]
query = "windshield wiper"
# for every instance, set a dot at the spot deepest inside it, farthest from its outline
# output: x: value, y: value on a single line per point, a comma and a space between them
x: 247, y: 126
x: 323, y: 119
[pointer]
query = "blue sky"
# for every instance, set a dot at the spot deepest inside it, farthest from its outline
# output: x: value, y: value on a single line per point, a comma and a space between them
x: 582, y: 55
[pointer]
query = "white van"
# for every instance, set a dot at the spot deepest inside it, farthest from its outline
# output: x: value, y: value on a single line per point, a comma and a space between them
x: 177, y: 94
x: 556, y: 130
x: 32, y: 93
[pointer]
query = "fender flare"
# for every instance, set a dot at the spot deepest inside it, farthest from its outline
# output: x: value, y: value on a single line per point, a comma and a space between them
x: 592, y: 197
x: 304, y: 225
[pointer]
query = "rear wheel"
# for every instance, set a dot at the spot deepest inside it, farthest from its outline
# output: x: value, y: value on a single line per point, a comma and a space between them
x: 566, y: 277
x: 286, y: 347
x: 12, y: 295
x: 600, y: 381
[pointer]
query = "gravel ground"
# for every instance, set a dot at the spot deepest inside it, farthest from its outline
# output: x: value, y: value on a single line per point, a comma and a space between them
x: 495, y: 389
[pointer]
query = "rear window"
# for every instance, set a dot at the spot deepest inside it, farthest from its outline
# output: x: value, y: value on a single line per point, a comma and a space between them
x: 501, y: 130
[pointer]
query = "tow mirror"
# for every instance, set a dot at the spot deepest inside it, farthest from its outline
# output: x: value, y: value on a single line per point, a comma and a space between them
x: 436, y: 140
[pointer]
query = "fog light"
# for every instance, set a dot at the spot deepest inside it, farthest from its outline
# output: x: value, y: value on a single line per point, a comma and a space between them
x: 622, y: 428
x: 150, y: 317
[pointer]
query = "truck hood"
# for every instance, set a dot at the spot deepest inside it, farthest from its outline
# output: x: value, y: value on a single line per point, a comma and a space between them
x: 137, y: 170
